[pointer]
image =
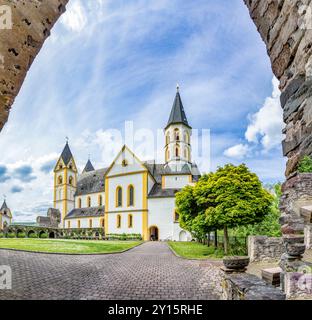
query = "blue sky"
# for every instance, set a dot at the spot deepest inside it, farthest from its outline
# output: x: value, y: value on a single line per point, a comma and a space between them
x: 111, y: 61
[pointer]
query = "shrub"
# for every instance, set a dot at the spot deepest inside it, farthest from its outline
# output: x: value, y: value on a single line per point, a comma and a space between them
x: 44, y: 236
x: 11, y: 235
x: 21, y: 235
x: 1, y: 235
x: 305, y: 165
x: 32, y: 236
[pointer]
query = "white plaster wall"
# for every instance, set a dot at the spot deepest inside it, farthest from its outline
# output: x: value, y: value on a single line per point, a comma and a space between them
x: 137, y: 223
x: 174, y: 182
x: 94, y: 199
x: 133, y: 164
x: 124, y: 181
x: 84, y: 223
x: 161, y: 215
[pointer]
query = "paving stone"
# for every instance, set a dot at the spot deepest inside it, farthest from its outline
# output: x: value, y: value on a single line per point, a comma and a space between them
x: 149, y: 271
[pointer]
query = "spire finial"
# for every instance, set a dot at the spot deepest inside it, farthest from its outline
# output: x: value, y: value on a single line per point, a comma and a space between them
x: 178, y: 87
x: 67, y: 139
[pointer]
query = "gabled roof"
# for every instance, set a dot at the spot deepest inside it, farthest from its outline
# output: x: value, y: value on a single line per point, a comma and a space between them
x: 91, y: 182
x: 89, y: 167
x: 177, y: 115
x: 86, y: 212
x: 66, y: 154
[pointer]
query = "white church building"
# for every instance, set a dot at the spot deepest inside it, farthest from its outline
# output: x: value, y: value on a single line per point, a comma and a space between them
x: 130, y: 196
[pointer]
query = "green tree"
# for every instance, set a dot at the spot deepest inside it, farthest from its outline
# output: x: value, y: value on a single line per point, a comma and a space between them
x: 232, y: 197
x: 270, y: 225
x: 305, y: 165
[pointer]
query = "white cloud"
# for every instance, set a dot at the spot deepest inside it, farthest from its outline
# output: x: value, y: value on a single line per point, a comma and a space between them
x: 239, y: 151
x: 267, y: 124
x: 75, y: 18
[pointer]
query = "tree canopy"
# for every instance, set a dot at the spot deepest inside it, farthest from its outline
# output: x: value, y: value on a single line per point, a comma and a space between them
x: 231, y: 197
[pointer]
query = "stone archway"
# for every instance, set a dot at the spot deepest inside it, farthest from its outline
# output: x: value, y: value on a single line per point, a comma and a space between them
x: 52, y: 235
x: 183, y: 236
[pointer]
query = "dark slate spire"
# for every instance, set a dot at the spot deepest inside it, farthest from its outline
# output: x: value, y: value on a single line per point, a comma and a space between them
x: 177, y: 115
x: 89, y: 167
x: 66, y: 154
x: 4, y: 206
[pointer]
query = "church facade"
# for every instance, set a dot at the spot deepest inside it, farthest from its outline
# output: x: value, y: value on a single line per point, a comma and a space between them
x: 129, y: 196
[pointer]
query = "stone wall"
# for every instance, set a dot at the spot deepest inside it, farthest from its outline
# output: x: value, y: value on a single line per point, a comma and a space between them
x: 243, y: 286
x: 308, y: 236
x: 262, y: 248
x: 24, y: 26
x: 286, y: 28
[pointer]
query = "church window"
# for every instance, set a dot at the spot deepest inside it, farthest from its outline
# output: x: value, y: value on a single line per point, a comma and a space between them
x: 176, y: 216
x: 177, y: 134
x: 119, y: 197
x: 90, y: 223
x: 167, y: 155
x: 60, y: 180
x: 102, y: 223
x: 168, y: 138
x: 185, y: 153
x: 130, y: 196
x: 186, y: 137
x: 130, y: 221
x: 68, y: 224
x: 79, y: 203
x: 89, y: 201
x: 70, y: 181
x: 71, y: 167
x: 177, y: 151
x: 100, y: 201
x: 78, y: 224
x: 118, y: 221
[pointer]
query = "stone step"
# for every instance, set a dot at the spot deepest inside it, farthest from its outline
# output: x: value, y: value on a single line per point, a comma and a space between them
x: 272, y: 276
x: 306, y: 213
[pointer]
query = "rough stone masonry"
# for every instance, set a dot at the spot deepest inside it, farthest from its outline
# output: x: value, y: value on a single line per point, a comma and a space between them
x: 24, y: 26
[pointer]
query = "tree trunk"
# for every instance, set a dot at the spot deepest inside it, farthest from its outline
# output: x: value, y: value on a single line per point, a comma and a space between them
x: 226, y: 241
x: 209, y: 239
x: 216, y: 239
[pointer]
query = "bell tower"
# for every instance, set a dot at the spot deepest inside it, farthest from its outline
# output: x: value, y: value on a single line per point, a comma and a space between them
x: 65, y: 183
x: 178, y: 132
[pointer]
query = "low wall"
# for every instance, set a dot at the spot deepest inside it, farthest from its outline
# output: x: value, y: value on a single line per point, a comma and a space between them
x: 243, y: 286
x: 263, y: 248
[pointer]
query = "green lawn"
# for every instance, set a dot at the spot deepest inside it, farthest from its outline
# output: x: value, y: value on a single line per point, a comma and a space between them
x: 67, y: 246
x: 195, y: 250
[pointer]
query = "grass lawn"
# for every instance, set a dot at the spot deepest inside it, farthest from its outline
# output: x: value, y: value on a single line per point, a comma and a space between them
x: 67, y: 246
x: 194, y: 250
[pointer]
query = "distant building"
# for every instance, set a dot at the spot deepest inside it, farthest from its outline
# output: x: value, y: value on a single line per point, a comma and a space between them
x: 130, y: 196
x: 5, y: 216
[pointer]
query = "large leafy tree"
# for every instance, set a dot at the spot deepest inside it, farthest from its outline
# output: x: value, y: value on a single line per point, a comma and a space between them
x: 228, y: 198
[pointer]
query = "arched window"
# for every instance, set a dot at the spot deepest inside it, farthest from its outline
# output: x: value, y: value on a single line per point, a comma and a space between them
x: 176, y: 216
x: 68, y: 224
x: 100, y: 201
x: 119, y: 197
x: 102, y: 223
x: 79, y: 203
x: 188, y: 154
x: 186, y: 137
x: 130, y: 196
x: 70, y: 181
x: 89, y: 201
x: 130, y: 221
x: 185, y: 153
x: 118, y: 221
x: 79, y: 224
x: 168, y: 138
x: 90, y: 223
x: 177, y: 134
x: 177, y: 151
x: 60, y: 180
x: 167, y: 154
